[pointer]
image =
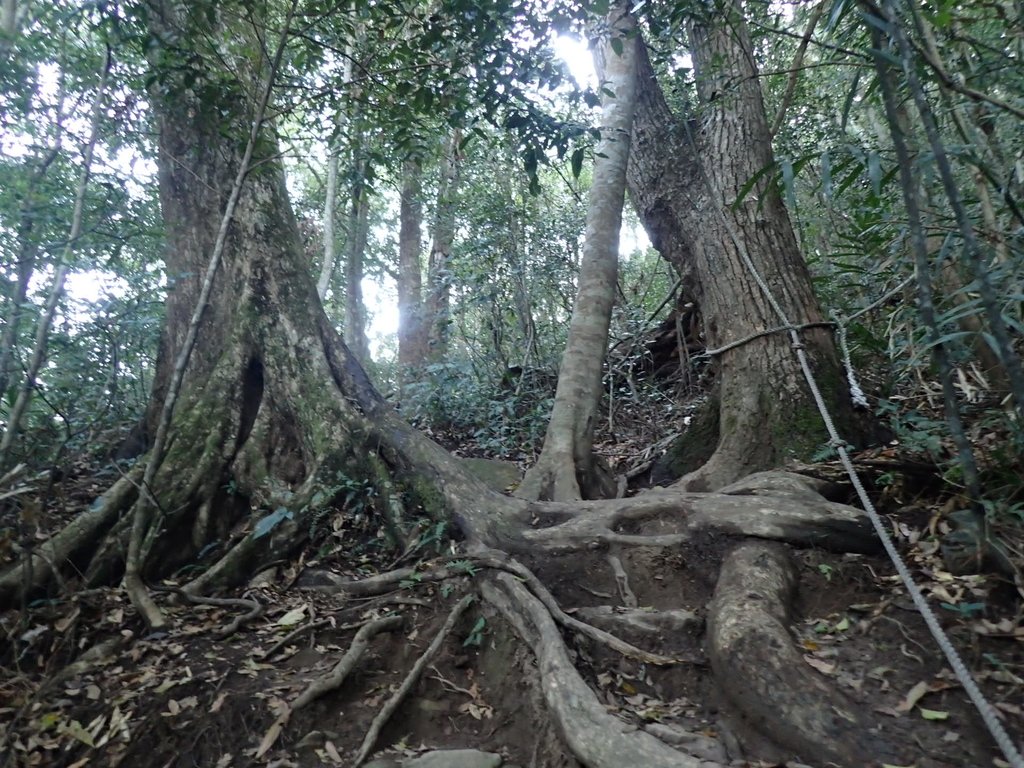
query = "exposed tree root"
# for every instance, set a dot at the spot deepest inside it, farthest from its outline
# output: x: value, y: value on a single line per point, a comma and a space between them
x: 595, y: 737
x: 669, y: 517
x: 761, y: 671
x: 295, y: 634
x: 645, y: 625
x: 498, y: 560
x: 253, y: 608
x: 410, y: 680
x: 596, y: 634
x: 332, y: 681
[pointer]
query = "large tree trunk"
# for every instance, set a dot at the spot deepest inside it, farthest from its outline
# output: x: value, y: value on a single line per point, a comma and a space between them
x: 567, y: 468
x: 273, y: 406
x: 689, y: 200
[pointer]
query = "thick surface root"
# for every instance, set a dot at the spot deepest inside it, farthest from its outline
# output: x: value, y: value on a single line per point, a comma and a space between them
x: 772, y: 505
x: 758, y: 666
x: 595, y: 737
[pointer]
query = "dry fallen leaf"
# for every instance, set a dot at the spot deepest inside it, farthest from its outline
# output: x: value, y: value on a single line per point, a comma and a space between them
x: 293, y: 617
x: 219, y: 702
x: 822, y: 666
x: 332, y: 752
x: 270, y: 737
x: 914, y: 695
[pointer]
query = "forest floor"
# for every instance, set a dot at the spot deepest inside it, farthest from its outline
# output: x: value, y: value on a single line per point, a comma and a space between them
x: 83, y: 683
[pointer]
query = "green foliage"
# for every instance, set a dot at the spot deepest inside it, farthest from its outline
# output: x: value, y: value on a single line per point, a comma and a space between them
x: 505, y: 418
x: 475, y: 638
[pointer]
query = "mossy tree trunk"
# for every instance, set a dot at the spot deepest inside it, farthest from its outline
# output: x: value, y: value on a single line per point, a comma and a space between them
x: 693, y: 202
x: 274, y: 410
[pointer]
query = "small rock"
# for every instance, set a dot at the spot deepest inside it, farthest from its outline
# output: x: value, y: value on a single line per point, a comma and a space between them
x: 455, y: 758
x: 383, y: 762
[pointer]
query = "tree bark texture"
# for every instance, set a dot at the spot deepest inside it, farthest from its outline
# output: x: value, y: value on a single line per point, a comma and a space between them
x: 411, y: 339
x: 439, y: 279
x: 355, y: 251
x: 687, y: 178
x: 274, y: 406
x: 567, y: 468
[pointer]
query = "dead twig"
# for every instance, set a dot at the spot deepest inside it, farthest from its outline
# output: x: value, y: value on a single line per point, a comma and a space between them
x: 622, y: 582
x: 295, y: 634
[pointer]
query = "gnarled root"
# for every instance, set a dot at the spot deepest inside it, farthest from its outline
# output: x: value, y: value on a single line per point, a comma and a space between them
x: 761, y: 671
x: 595, y: 737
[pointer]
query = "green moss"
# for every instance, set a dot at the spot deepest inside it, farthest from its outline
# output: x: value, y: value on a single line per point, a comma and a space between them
x: 692, y: 449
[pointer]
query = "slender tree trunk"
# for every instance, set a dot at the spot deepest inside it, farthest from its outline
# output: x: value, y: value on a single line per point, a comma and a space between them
x: 57, y: 286
x: 331, y: 192
x: 686, y: 176
x: 330, y: 205
x: 411, y: 338
x: 567, y: 468
x: 437, y: 313
x: 26, y: 266
x: 355, y: 251
x: 10, y: 21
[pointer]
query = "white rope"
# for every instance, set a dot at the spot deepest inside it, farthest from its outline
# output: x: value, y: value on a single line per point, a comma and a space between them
x: 856, y: 393
x: 987, y: 711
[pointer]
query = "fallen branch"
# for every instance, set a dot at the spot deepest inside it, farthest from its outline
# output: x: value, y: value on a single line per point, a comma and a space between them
x: 410, y: 680
x: 622, y: 582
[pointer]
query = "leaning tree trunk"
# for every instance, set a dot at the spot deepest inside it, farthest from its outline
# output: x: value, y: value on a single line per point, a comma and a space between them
x: 692, y: 202
x: 567, y: 468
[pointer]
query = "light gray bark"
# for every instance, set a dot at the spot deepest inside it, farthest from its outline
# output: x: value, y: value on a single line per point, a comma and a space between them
x: 411, y: 347
x: 437, y: 312
x: 355, y: 250
x: 331, y: 195
x: 567, y: 468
